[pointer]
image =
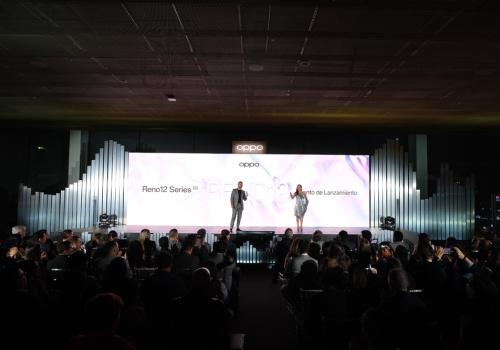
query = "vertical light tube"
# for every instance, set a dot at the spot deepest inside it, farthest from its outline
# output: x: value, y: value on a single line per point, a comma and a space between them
x: 85, y: 208
x: 58, y: 212
x: 372, y: 195
x: 99, y: 196
x: 125, y: 189
x: 121, y: 183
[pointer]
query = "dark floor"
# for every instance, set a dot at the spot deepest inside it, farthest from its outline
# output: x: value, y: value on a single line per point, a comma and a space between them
x: 263, y: 315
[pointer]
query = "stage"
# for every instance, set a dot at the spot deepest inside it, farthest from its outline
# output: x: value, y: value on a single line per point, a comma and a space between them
x: 329, y: 233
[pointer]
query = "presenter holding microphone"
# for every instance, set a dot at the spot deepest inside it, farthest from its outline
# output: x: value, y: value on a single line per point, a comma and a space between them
x: 301, y: 203
x: 237, y: 198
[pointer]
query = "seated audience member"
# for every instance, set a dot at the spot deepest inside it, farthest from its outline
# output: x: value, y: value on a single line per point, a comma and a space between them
x: 20, y: 233
x: 77, y: 244
x: 224, y: 262
x: 402, y: 254
x: 407, y: 315
x: 102, y: 316
x: 374, y: 327
x: 306, y: 279
x: 77, y: 287
x: 18, y: 306
x: 92, y: 246
x: 329, y: 306
x: 430, y: 276
x: 10, y: 250
x: 48, y: 247
x: 35, y: 273
x: 104, y: 255
x: 61, y: 261
x: 367, y: 235
x: 345, y: 262
x: 135, y: 255
x: 230, y: 246
x: 364, y: 290
x: 314, y: 251
x: 174, y: 242
x: 74, y: 287
x: 398, y: 240
x: 158, y: 290
x: 212, y: 317
x: 292, y: 254
x: 218, y: 254
x: 303, y: 257
x: 66, y: 235
x: 186, y: 262
x: 112, y: 235
x: 117, y: 280
x: 480, y: 312
x: 201, y: 248
x: 164, y: 244
x: 423, y: 242
x: 148, y: 245
x: 384, y: 253
x: 331, y: 258
x: 280, y: 253
x: 348, y: 245
x: 317, y: 237
x: 219, y: 289
x: 367, y: 256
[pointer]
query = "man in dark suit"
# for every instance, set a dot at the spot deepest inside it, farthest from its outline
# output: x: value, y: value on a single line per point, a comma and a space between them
x: 186, y: 262
x: 158, y: 291
x: 237, y: 198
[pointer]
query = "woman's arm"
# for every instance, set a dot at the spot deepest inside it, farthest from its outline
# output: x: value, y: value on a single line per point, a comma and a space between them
x: 292, y: 196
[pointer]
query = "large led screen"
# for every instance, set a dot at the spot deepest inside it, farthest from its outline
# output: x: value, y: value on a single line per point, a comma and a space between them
x: 181, y: 189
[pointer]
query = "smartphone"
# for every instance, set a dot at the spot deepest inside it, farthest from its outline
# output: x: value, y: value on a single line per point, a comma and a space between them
x: 447, y: 251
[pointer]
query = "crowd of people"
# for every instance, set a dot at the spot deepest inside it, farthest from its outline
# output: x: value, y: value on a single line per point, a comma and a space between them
x: 349, y: 292
x: 69, y: 295
x: 352, y: 293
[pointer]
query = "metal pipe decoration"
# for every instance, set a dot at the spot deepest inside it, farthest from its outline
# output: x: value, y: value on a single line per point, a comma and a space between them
x: 394, y: 192
x: 101, y: 190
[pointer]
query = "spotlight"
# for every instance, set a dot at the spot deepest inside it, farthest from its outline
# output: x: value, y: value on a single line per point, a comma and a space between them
x: 106, y: 221
x: 388, y: 223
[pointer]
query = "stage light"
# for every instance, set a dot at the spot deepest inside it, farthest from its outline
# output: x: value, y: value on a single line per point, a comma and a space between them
x: 388, y: 223
x: 106, y: 221
x: 112, y: 220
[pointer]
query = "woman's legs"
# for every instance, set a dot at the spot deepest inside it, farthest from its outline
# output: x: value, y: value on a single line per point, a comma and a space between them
x: 297, y: 218
x: 301, y: 219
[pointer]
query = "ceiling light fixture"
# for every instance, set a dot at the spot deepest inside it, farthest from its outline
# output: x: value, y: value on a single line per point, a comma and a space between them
x: 255, y: 67
x: 170, y: 98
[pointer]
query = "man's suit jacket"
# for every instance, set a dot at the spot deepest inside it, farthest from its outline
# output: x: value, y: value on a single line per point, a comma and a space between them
x: 234, y: 197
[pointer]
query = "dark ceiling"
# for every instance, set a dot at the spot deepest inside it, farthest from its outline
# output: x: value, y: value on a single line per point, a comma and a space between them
x: 425, y: 63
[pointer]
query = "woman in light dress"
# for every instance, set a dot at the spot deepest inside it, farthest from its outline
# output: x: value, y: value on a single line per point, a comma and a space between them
x: 301, y: 203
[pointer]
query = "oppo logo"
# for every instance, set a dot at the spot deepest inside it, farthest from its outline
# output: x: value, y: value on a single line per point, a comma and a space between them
x: 249, y: 148
x: 249, y: 165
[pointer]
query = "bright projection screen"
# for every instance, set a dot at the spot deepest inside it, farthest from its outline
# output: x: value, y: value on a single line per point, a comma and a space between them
x: 188, y: 189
